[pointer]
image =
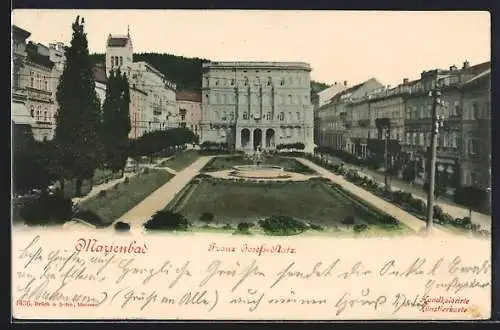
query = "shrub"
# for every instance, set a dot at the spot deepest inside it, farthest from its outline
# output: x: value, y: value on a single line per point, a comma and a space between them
x: 102, y: 193
x: 89, y: 217
x: 401, y: 197
x: 47, y: 209
x: 418, y: 206
x: 122, y: 226
x: 360, y: 227
x: 389, y: 221
x: 282, y: 225
x: 438, y: 212
x: 167, y: 220
x: 315, y: 227
x: 483, y: 233
x: 207, y: 217
x: 446, y: 218
x: 348, y: 221
x: 227, y: 226
x: 244, y: 226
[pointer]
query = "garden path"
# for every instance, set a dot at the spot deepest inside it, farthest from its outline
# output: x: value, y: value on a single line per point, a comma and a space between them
x: 95, y: 189
x: 163, y: 195
x: 409, y: 220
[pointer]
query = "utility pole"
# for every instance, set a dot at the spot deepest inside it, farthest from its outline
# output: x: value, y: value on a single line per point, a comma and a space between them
x: 437, y: 122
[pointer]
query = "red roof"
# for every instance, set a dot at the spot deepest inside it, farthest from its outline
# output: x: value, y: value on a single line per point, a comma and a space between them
x: 188, y: 96
x: 99, y: 72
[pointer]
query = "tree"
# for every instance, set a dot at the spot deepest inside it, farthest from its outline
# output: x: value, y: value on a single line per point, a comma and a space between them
x: 78, y: 118
x: 116, y: 122
x: 439, y: 187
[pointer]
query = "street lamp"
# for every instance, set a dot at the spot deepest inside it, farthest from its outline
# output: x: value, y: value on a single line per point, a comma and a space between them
x: 437, y: 123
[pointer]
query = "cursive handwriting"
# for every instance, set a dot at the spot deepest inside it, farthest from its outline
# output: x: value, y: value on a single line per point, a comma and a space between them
x: 363, y: 299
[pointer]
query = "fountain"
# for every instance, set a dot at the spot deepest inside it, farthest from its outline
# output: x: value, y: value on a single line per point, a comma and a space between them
x: 258, y: 170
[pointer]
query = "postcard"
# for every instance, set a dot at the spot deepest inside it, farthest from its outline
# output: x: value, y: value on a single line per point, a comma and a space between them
x: 251, y: 165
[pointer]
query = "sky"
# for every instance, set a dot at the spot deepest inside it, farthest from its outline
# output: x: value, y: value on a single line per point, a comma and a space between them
x: 350, y: 46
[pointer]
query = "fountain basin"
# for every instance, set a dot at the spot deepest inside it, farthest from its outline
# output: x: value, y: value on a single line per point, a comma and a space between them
x: 259, y: 172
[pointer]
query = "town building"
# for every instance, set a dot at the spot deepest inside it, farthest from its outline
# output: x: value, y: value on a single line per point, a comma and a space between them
x: 251, y: 105
x: 342, y: 122
x: 323, y: 97
x: 189, y: 110
x: 38, y: 83
x: 418, y: 121
x: 475, y: 151
x: 20, y: 116
x: 160, y: 107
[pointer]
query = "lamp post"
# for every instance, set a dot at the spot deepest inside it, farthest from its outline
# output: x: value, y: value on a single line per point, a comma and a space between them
x: 437, y: 123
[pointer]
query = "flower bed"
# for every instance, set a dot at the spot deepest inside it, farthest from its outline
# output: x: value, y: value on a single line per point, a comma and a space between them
x: 402, y: 199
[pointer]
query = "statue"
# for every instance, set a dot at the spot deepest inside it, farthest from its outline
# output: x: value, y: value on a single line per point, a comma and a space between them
x: 257, y: 156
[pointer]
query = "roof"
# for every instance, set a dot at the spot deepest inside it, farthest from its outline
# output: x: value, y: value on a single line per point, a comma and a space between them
x: 20, y: 114
x: 352, y: 89
x: 35, y: 57
x: 16, y: 30
x: 484, y: 74
x: 99, y: 73
x: 117, y: 41
x: 188, y: 96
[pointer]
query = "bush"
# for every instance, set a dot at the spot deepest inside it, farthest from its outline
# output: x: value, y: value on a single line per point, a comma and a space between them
x: 167, y: 220
x: 389, y: 221
x: 89, y: 217
x: 227, y: 226
x: 47, y: 209
x: 122, y: 226
x: 483, y: 233
x: 315, y: 227
x: 446, y: 219
x: 102, y: 193
x: 418, y: 206
x: 282, y: 225
x: 360, y: 227
x: 207, y: 217
x: 348, y: 221
x: 244, y: 226
x: 401, y: 197
x: 438, y: 212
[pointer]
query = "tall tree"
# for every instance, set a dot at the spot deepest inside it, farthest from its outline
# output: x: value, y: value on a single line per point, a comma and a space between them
x: 78, y: 118
x: 116, y: 122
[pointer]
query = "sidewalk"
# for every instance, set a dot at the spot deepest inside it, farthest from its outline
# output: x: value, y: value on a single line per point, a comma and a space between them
x: 163, y: 195
x: 409, y: 220
x: 455, y: 210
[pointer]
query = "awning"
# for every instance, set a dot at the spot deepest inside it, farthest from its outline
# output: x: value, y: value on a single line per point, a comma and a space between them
x: 20, y: 114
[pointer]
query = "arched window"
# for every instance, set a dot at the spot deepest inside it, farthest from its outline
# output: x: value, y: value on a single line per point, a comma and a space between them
x: 32, y: 112
x: 245, y: 81
x: 269, y: 81
x: 475, y: 111
x: 45, y: 117
x: 232, y: 82
x: 282, y: 82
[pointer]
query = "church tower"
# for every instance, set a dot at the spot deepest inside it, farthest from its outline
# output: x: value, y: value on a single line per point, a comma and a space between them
x: 119, y: 53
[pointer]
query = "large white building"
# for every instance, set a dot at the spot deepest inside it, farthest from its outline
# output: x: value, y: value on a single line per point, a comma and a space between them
x: 257, y: 104
x: 153, y: 96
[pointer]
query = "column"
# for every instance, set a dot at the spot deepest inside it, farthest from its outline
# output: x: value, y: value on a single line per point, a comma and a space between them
x: 250, y: 142
x: 238, y: 145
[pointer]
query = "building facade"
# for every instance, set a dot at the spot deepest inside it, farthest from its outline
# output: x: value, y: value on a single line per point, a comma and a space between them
x: 475, y: 151
x: 189, y: 110
x: 344, y: 122
x: 151, y: 91
x: 251, y: 105
x: 19, y: 113
x: 39, y: 88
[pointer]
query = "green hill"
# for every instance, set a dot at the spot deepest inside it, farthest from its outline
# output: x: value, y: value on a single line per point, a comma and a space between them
x: 185, y: 72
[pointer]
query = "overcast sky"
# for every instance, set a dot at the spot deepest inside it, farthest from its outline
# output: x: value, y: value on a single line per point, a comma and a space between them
x: 339, y: 45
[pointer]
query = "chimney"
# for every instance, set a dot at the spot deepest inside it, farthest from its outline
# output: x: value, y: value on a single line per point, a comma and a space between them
x: 345, y: 82
x: 466, y: 65
x: 405, y: 81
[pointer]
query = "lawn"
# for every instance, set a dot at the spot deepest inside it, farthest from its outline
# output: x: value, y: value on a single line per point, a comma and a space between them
x: 124, y: 196
x: 225, y: 163
x: 182, y: 160
x: 100, y: 176
x: 234, y: 202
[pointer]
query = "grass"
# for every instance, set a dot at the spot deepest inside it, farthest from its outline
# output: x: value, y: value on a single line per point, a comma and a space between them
x: 124, y: 197
x: 313, y: 202
x: 182, y: 160
x: 225, y: 163
x: 100, y: 176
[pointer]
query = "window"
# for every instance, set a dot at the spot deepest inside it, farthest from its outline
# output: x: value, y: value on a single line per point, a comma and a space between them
x: 245, y: 115
x: 246, y: 81
x: 268, y: 116
x: 216, y: 82
x: 224, y: 116
x: 475, y: 111
x: 121, y: 60
x: 232, y: 82
x: 474, y: 146
x: 408, y: 142
x: 429, y: 111
x: 32, y: 112
x: 207, y: 82
x: 269, y: 81
x: 282, y: 82
x: 45, y: 116
x: 290, y: 81
x: 421, y: 139
x: 45, y: 84
x: 281, y: 116
x: 290, y: 99
x: 231, y: 116
x: 298, y: 115
x: 456, y: 108
x: 414, y: 138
